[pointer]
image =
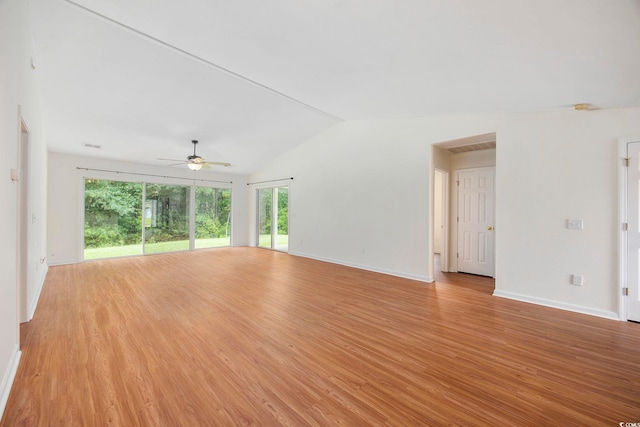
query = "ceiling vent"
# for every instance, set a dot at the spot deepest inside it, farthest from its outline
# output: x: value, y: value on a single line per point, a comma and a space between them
x: 92, y: 146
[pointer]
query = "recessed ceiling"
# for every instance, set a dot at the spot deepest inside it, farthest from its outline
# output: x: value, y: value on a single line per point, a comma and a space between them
x: 253, y: 79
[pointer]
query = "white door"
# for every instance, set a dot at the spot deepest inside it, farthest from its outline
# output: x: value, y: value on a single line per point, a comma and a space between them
x: 633, y: 234
x: 475, y: 221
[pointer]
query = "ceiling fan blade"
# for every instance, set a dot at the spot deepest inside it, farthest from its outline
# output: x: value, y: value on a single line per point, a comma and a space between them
x: 225, y: 164
x: 176, y: 164
x: 172, y: 160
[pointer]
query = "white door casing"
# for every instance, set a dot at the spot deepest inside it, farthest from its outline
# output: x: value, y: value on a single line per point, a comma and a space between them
x: 633, y: 231
x: 475, y: 221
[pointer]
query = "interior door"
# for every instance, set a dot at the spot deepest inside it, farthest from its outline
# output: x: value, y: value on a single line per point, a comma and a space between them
x: 475, y: 221
x: 633, y: 233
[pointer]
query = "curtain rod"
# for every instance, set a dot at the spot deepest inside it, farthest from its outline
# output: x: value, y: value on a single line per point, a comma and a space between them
x: 270, y: 180
x: 157, y: 176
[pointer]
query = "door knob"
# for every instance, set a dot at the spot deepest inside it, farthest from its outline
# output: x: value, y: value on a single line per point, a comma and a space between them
x: 489, y: 228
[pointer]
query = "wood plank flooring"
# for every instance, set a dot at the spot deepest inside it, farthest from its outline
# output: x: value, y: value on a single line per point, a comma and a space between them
x: 244, y: 336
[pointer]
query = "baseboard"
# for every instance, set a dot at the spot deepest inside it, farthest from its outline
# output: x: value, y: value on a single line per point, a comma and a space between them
x: 8, y: 378
x: 420, y: 278
x: 55, y: 263
x: 34, y: 303
x: 556, y: 304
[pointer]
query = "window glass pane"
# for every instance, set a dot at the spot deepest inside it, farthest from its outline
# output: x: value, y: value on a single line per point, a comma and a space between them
x: 112, y: 218
x: 213, y: 217
x: 264, y: 217
x: 166, y: 218
x: 282, y: 231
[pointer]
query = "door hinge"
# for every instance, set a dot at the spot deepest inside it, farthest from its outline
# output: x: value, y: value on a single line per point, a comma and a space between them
x: 457, y: 219
x: 625, y: 226
x: 458, y: 183
x: 625, y: 292
x: 626, y: 161
x: 457, y: 255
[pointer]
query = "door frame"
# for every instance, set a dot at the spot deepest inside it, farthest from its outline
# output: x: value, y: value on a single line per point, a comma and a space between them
x: 444, y: 253
x: 623, y: 252
x: 23, y: 231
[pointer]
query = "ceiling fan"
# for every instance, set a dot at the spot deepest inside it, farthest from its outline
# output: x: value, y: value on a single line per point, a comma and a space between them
x: 195, y: 162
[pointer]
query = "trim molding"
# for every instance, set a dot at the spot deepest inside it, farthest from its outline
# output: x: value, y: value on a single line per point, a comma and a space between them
x: 557, y: 304
x: 419, y: 278
x: 8, y: 378
x: 53, y: 264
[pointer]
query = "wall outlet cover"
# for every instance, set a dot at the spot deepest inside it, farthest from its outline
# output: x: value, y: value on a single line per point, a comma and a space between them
x: 577, y: 279
x: 575, y: 224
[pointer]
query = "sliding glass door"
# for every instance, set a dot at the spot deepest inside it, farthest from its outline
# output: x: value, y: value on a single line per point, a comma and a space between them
x: 166, y: 218
x: 112, y: 218
x: 273, y: 218
x: 265, y: 239
x: 281, y: 235
x: 133, y: 218
x: 213, y: 217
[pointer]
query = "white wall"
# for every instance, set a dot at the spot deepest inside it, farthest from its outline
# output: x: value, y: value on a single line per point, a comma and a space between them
x: 66, y: 186
x: 551, y: 167
x: 361, y: 197
x: 18, y: 87
x: 360, y: 194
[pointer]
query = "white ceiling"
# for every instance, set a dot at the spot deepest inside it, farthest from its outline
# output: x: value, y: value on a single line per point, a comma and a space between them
x: 251, y: 79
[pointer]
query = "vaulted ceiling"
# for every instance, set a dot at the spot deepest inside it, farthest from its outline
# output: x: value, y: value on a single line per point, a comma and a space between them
x: 251, y: 79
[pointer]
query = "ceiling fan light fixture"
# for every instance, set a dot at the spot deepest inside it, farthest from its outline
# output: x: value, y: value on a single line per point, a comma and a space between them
x: 194, y: 166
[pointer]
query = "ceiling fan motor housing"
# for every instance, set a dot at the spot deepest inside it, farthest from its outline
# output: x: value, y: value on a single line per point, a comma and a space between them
x: 194, y: 158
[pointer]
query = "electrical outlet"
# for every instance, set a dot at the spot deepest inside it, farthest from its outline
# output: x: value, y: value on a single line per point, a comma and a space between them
x: 575, y: 224
x: 577, y: 279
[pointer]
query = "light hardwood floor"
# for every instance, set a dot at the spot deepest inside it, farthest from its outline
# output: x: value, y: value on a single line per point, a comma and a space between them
x: 244, y: 336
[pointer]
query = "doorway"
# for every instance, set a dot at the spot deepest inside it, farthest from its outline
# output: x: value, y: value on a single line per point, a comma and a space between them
x: 273, y: 218
x: 451, y: 157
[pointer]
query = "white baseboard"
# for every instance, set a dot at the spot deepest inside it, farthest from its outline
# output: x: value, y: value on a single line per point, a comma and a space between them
x: 34, y: 303
x: 557, y: 304
x: 54, y: 263
x: 420, y: 278
x: 8, y: 378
